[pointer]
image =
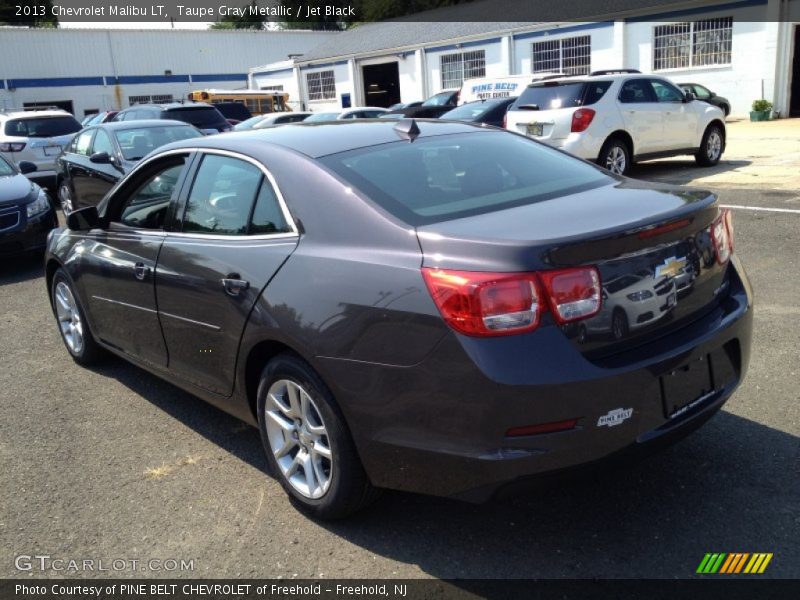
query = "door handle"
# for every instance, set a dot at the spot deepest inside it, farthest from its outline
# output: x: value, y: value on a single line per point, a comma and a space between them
x: 140, y: 271
x: 234, y: 285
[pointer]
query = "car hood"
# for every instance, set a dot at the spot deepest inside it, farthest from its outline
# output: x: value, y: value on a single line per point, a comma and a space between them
x: 14, y: 188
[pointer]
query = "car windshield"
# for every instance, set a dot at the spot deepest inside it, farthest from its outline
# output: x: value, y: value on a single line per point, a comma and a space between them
x: 452, y: 176
x: 568, y: 94
x: 39, y: 127
x: 5, y: 168
x: 470, y: 111
x: 137, y: 142
x: 325, y: 116
x: 199, y: 117
x: 439, y: 99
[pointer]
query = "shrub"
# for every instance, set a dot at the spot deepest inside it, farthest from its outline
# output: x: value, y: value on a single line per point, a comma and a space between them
x: 762, y: 105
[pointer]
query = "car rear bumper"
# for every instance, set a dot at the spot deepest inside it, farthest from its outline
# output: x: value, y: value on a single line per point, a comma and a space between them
x: 440, y: 426
x: 31, y: 237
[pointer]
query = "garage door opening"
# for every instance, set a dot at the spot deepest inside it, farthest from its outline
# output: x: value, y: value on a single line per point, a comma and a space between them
x: 381, y: 84
x: 794, y: 99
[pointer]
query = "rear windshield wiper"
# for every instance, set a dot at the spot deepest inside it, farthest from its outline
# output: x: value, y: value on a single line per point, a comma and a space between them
x: 528, y: 106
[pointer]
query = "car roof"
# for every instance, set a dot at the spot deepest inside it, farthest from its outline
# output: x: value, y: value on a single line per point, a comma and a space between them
x: 323, y: 138
x: 171, y: 105
x: 33, y: 114
x: 121, y: 125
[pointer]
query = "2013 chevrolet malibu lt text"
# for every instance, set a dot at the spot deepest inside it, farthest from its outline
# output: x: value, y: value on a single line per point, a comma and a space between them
x: 427, y: 306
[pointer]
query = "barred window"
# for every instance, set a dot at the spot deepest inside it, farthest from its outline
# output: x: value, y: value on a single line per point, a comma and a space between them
x: 154, y: 99
x: 455, y: 68
x: 571, y: 56
x: 694, y: 44
x: 321, y: 85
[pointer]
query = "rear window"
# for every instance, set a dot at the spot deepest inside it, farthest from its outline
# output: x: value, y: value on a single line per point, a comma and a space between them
x: 451, y: 176
x: 440, y: 99
x: 199, y: 117
x: 136, y: 143
x: 234, y: 110
x: 469, y: 111
x: 568, y: 94
x: 39, y: 127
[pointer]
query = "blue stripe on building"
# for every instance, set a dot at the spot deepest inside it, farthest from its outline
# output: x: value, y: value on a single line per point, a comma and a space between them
x: 463, y: 45
x: 570, y: 29
x: 45, y: 82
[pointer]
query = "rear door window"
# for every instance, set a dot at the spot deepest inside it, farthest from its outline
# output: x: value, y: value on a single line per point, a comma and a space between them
x: 637, y: 91
x: 222, y: 196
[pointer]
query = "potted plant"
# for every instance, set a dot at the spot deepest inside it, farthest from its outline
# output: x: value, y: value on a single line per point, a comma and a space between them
x: 762, y: 110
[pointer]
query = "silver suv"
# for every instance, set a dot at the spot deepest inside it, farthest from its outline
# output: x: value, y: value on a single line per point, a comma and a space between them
x: 37, y: 136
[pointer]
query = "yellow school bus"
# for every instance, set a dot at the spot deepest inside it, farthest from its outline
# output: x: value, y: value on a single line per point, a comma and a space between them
x: 258, y: 102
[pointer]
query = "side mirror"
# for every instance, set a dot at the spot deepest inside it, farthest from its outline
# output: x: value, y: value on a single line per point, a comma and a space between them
x: 689, y: 97
x: 83, y: 219
x: 101, y: 158
x: 26, y: 166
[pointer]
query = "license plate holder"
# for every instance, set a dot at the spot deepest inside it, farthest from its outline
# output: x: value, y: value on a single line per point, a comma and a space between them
x: 686, y: 386
x: 536, y: 129
x: 52, y: 150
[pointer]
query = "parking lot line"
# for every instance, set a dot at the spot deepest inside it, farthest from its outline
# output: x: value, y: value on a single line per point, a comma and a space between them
x: 764, y: 208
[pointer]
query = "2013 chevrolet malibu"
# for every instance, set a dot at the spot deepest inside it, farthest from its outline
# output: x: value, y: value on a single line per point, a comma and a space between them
x: 411, y: 305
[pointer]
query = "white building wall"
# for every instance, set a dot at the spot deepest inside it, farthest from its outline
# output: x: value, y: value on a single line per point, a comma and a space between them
x: 751, y: 74
x: 344, y: 85
x: 98, y: 69
x: 494, y: 61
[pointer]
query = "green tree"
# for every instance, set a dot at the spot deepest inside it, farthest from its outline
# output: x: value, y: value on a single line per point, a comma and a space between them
x: 34, y: 18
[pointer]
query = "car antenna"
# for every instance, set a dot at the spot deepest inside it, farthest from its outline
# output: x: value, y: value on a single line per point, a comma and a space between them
x: 408, y: 129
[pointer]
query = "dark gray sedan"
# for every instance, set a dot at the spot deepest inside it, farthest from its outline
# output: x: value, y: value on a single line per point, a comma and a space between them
x: 410, y: 305
x: 97, y: 157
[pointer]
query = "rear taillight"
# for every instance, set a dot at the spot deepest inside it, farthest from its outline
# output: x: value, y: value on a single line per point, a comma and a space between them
x: 12, y: 146
x: 722, y: 236
x: 485, y: 304
x: 581, y: 119
x: 491, y: 304
x: 573, y: 293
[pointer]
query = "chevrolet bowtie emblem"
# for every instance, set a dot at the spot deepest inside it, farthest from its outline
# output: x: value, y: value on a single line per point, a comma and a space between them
x: 671, y: 267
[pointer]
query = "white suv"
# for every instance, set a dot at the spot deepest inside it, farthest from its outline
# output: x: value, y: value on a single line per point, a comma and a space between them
x: 37, y: 136
x: 617, y: 117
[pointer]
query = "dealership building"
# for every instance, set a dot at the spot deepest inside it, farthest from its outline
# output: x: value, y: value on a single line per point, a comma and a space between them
x: 742, y: 50
x: 87, y: 70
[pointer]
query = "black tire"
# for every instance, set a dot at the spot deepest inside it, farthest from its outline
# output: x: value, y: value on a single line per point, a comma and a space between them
x: 619, y: 324
x: 89, y: 352
x: 615, y: 155
x: 349, y: 489
x: 711, y: 146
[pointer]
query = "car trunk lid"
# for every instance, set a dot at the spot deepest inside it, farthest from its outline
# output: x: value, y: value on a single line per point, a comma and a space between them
x: 651, y: 244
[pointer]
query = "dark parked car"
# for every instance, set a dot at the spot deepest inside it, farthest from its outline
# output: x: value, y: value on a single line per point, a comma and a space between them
x: 203, y: 116
x: 433, y: 108
x: 406, y: 105
x: 701, y: 92
x: 488, y: 112
x: 26, y: 215
x: 99, y: 156
x: 234, y: 112
x: 394, y: 304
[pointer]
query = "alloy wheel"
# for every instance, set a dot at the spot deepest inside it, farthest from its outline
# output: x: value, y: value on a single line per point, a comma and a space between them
x: 69, y: 318
x: 615, y: 160
x: 714, y: 146
x: 298, y: 439
x: 65, y: 197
